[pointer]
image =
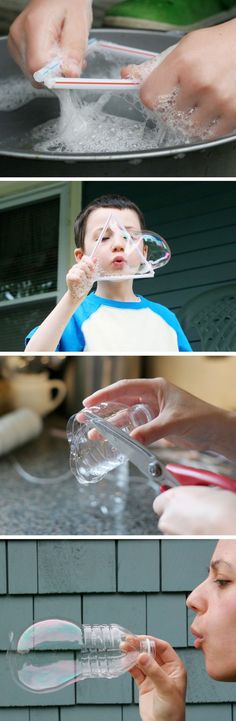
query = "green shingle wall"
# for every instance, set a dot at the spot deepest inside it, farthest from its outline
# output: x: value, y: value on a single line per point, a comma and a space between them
x: 198, y: 220
x: 140, y: 584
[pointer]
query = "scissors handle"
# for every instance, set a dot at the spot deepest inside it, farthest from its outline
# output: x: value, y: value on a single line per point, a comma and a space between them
x: 189, y: 476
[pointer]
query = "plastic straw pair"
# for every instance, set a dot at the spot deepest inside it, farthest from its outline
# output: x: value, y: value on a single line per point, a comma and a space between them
x: 48, y: 74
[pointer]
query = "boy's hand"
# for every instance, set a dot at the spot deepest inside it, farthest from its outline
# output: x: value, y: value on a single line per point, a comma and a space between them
x: 161, y: 682
x: 50, y: 27
x: 80, y: 277
x: 200, y: 76
x: 197, y: 511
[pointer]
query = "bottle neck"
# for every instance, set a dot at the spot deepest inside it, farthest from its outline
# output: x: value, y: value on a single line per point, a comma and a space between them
x: 147, y: 645
x: 140, y: 414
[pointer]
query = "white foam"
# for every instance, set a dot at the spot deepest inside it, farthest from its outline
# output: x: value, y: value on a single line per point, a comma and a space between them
x: 107, y: 124
x: 16, y: 92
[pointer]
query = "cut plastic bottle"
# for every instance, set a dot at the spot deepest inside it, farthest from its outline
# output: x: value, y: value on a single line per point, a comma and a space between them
x: 55, y: 653
x: 91, y: 456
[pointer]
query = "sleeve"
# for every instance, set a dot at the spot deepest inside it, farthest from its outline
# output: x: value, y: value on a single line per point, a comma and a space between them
x: 183, y: 343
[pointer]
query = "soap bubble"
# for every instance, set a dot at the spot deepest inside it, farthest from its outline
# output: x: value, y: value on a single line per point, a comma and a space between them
x: 43, y: 658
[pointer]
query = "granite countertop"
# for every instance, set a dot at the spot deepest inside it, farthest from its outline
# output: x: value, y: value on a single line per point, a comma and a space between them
x: 64, y: 507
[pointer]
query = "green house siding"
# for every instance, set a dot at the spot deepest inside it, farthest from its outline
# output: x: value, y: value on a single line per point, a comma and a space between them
x: 198, y: 219
x: 139, y: 584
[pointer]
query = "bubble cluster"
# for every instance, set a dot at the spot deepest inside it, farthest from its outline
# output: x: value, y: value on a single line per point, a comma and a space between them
x: 107, y: 124
x: 16, y: 92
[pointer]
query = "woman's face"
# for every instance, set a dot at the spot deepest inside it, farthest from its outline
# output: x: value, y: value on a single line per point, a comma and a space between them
x: 214, y: 602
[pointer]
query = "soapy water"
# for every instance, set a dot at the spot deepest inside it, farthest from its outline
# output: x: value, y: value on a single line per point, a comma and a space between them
x: 103, y: 123
x: 109, y: 123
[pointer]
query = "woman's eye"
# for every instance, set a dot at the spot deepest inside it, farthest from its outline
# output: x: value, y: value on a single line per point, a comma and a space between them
x: 221, y: 582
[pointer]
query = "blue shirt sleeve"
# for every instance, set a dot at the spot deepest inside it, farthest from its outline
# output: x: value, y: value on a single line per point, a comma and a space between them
x: 30, y: 334
x: 183, y: 343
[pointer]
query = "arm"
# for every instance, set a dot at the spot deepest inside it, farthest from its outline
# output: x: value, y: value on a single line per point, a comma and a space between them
x: 198, y: 77
x: 179, y: 416
x: 48, y: 27
x: 161, y: 683
x: 48, y: 335
x: 79, y: 280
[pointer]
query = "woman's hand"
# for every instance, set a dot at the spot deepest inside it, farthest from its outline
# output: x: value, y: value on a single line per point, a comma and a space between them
x: 162, y: 684
x: 50, y: 27
x: 196, y: 511
x: 180, y: 417
x: 80, y: 277
x: 199, y: 76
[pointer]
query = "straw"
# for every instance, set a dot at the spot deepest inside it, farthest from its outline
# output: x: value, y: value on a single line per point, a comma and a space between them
x: 47, y: 74
x: 52, y: 67
x: 101, y: 234
x: 116, y: 84
x: 126, y: 48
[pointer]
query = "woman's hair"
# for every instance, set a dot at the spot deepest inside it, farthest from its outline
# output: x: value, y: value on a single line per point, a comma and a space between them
x: 104, y: 201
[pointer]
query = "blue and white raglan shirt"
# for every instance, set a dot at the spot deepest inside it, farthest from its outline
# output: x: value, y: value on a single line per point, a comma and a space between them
x: 100, y: 325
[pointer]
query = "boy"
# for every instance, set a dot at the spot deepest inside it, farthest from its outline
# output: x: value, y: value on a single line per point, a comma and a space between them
x: 113, y: 319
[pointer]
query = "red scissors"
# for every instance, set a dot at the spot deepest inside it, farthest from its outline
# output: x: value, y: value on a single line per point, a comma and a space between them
x: 160, y: 477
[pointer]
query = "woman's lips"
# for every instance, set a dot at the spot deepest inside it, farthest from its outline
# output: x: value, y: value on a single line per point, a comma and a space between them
x: 199, y: 639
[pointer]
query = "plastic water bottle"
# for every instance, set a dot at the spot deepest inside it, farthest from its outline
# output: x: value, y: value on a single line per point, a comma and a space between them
x: 91, y: 455
x: 55, y: 653
x: 106, y: 498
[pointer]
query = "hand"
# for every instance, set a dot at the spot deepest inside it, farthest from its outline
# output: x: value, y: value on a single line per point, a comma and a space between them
x: 50, y: 27
x: 199, y: 76
x: 80, y: 277
x: 180, y: 417
x: 196, y: 511
x: 161, y: 683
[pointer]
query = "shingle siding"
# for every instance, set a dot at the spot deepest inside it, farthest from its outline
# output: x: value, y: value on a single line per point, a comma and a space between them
x: 140, y: 584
